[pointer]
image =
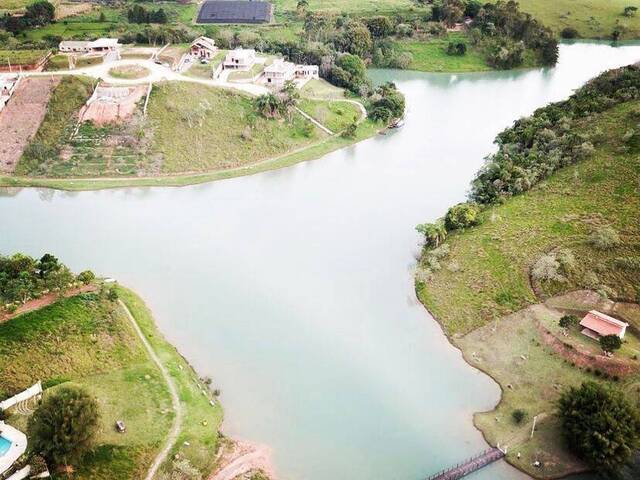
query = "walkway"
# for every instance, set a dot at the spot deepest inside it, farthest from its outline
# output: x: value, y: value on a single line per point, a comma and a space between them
x: 175, y: 400
x: 469, y: 466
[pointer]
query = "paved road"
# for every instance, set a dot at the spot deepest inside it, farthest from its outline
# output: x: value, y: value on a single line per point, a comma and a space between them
x: 175, y: 400
x: 158, y: 73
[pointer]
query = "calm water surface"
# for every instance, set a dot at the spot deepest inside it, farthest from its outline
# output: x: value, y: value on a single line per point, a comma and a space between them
x: 293, y: 289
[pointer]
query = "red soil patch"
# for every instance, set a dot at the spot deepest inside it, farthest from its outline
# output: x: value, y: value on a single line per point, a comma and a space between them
x: 44, y: 301
x: 112, y: 104
x: 585, y: 359
x: 21, y: 118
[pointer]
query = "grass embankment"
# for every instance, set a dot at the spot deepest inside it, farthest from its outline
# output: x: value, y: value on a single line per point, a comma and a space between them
x: 42, y: 154
x: 485, y: 276
x: 254, y: 71
x: 129, y: 72
x: 431, y: 55
x: 198, y: 128
x: 61, y: 62
x: 88, y: 341
x: 21, y: 57
x: 200, y: 70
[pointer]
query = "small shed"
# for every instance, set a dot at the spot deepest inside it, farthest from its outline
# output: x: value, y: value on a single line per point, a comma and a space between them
x: 597, y: 324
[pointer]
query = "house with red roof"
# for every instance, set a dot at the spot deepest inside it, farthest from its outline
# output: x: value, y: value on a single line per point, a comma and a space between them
x: 597, y: 324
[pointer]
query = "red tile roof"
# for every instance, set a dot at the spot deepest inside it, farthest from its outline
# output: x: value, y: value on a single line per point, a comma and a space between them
x: 602, y: 324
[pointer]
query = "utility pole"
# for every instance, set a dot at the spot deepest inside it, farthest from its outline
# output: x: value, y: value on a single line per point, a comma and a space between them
x: 533, y: 427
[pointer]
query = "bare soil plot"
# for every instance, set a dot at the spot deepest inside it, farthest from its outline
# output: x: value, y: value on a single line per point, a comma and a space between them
x: 22, y: 117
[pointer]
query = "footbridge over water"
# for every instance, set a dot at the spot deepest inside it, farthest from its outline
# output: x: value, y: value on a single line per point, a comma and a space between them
x: 470, y: 465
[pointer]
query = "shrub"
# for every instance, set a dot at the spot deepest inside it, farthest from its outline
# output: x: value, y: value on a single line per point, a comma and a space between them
x: 461, y: 216
x: 568, y: 321
x: 519, y: 415
x: 456, y: 48
x: 599, y: 425
x: 568, y: 33
x: 610, y: 343
x: 604, y: 238
x: 86, y: 277
x: 547, y: 268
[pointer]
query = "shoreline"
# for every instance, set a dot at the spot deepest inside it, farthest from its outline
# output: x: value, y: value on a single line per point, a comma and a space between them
x: 312, y: 152
x: 244, y: 456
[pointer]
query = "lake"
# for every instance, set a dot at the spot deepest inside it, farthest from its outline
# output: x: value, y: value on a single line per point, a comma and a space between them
x: 293, y: 289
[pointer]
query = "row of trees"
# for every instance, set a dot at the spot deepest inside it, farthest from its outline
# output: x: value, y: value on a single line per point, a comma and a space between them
x: 139, y: 14
x: 536, y: 146
x: 23, y: 278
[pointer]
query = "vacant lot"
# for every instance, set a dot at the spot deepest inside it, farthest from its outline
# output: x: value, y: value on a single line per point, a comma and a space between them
x: 129, y: 72
x: 21, y: 57
x: 22, y: 118
x: 336, y: 116
x: 372, y: 7
x: 199, y: 128
x: 431, y: 55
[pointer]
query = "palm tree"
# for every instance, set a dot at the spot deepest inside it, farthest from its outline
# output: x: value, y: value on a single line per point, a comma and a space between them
x: 434, y: 233
x: 268, y: 105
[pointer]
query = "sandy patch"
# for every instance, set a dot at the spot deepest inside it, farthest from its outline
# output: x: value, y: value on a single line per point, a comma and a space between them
x: 110, y: 104
x: 239, y: 458
x: 21, y: 118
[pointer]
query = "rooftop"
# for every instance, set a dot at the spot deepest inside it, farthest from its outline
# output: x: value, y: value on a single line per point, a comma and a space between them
x: 603, y: 324
x: 235, y: 11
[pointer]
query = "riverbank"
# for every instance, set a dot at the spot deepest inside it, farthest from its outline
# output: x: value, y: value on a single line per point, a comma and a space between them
x: 113, y: 350
x: 484, y: 288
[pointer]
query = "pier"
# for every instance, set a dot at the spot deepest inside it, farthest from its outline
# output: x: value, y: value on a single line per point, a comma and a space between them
x: 470, y: 465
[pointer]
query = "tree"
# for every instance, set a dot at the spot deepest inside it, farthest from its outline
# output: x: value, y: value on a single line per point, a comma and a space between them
x: 630, y: 11
x: 380, y: 27
x: 460, y: 216
x: 452, y: 11
x: 610, y: 343
x: 568, y: 321
x: 434, y: 233
x: 599, y: 425
x: 268, y: 105
x: 47, y: 264
x: 356, y: 39
x: 302, y: 6
x: 102, y: 18
x: 40, y: 13
x: 519, y: 415
x: 86, y: 277
x: 64, y: 426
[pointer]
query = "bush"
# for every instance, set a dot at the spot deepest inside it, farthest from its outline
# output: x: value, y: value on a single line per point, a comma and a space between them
x: 610, y: 343
x: 519, y: 415
x: 568, y: 321
x: 604, y: 238
x: 456, y: 48
x: 547, y: 268
x: 569, y: 32
x: 86, y: 277
x: 461, y: 216
x: 599, y: 425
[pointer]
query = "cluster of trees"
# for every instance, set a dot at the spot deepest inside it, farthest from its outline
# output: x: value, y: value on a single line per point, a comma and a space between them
x: 386, y: 103
x: 37, y: 14
x: 458, y: 217
x: 23, y: 278
x: 279, y: 105
x: 507, y: 33
x: 599, y: 425
x: 139, y: 14
x: 536, y: 146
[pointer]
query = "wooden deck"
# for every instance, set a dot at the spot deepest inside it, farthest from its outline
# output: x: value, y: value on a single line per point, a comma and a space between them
x: 469, y: 466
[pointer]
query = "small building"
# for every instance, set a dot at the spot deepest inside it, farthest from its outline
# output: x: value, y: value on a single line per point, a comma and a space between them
x: 307, y: 71
x: 597, y: 324
x: 101, y: 45
x: 279, y: 72
x: 240, y: 59
x: 235, y: 11
x: 203, y: 48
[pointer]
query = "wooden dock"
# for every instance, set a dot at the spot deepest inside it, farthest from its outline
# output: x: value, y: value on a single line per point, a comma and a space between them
x: 469, y: 466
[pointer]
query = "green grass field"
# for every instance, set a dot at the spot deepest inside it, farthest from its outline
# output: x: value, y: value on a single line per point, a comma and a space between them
x: 371, y: 7
x: 336, y: 116
x: 431, y: 55
x: 494, y: 258
x: 218, y: 129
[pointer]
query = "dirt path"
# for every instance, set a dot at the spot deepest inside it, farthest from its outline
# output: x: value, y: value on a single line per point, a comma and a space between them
x: 21, y: 118
x: 242, y: 458
x: 175, y: 400
x: 44, y: 301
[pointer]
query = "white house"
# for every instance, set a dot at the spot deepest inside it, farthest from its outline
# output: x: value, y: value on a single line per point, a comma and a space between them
x: 279, y: 72
x: 307, y: 71
x: 240, y: 59
x: 101, y: 45
x: 203, y: 48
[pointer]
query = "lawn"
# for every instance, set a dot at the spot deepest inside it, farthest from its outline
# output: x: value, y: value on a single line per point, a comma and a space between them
x: 369, y: 7
x: 86, y: 340
x: 320, y: 88
x: 218, y: 129
x: 200, y: 70
x: 256, y: 69
x: 431, y: 55
x: 486, y: 273
x: 129, y: 72
x: 336, y: 116
x: 592, y: 18
x: 13, y: 4
x: 71, y: 29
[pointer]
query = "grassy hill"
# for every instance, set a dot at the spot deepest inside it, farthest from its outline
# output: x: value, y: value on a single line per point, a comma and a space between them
x: 88, y: 341
x: 481, y: 287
